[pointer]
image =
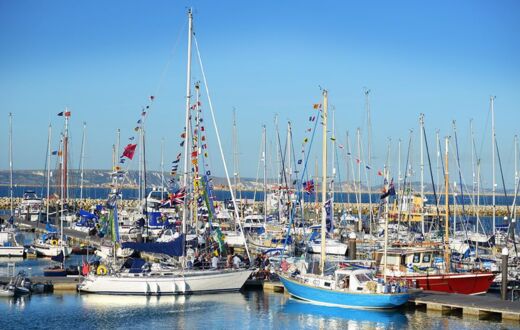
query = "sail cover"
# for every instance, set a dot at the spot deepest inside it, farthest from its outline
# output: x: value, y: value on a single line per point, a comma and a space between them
x: 173, y: 249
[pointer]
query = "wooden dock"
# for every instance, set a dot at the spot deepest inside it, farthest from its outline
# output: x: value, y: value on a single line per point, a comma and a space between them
x: 473, y: 306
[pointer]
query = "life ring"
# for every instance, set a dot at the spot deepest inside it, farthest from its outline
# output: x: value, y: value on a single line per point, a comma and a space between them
x: 54, y: 242
x: 101, y: 270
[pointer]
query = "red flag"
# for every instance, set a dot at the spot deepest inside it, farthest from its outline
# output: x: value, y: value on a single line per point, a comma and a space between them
x: 129, y: 151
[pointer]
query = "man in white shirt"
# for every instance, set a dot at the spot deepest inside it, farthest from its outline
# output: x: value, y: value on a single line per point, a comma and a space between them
x: 214, y: 262
x: 236, y: 261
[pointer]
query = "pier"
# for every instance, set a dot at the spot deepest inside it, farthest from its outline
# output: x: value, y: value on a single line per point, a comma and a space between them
x: 68, y: 283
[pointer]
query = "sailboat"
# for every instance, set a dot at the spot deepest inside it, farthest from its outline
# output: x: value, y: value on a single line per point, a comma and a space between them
x: 163, y: 279
x: 51, y: 244
x: 343, y: 287
x: 9, y: 247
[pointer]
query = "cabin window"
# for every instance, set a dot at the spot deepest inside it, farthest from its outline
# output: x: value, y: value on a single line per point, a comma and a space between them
x: 416, y: 258
x: 327, y: 284
x: 426, y: 258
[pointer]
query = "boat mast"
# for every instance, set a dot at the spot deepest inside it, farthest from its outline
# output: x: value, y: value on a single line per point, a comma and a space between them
x: 324, y: 184
x: 48, y: 171
x: 492, y: 99
x: 333, y: 154
x: 360, y: 222
x: 65, y: 196
x: 516, y: 175
x: 447, y: 218
x: 369, y: 156
x: 162, y: 168
x: 11, y: 206
x: 82, y: 161
x: 186, y: 131
x: 421, y: 124
x: 264, y: 155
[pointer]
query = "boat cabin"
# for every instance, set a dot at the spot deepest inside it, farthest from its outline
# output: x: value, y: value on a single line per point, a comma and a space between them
x: 407, y: 260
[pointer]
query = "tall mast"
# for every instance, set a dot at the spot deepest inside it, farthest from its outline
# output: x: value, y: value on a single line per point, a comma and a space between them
x: 492, y: 100
x: 48, y: 172
x: 82, y: 161
x: 399, y: 177
x: 186, y: 131
x: 162, y: 168
x: 421, y: 123
x: 333, y: 154
x: 324, y: 184
x: 11, y: 165
x: 369, y: 156
x: 447, y: 218
x: 516, y: 172
x: 235, y: 156
x: 66, y: 157
x: 264, y: 155
x: 359, y: 178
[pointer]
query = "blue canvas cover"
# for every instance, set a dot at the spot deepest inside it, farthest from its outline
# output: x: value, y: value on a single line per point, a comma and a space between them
x: 173, y: 249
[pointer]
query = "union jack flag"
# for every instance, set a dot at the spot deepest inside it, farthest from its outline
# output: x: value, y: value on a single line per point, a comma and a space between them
x: 178, y: 197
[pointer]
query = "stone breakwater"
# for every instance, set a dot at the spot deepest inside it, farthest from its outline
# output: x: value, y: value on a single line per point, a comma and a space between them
x: 87, y: 204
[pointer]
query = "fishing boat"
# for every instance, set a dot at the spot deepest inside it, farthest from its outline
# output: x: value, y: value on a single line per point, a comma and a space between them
x: 343, y: 287
x: 422, y: 268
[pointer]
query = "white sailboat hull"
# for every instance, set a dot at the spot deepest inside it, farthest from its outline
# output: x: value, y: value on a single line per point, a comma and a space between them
x: 189, y: 282
x: 11, y: 251
x: 48, y: 250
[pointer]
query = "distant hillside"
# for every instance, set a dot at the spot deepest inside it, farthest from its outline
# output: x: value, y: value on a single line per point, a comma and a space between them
x: 102, y: 178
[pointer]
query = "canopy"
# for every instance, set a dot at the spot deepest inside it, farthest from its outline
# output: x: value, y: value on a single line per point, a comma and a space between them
x: 173, y: 249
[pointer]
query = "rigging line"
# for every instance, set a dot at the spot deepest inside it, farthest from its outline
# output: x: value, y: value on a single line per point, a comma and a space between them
x: 479, y: 156
x: 258, y: 168
x: 404, y: 182
x: 464, y: 215
x: 431, y: 174
x: 299, y: 185
x: 501, y: 174
x: 220, y: 144
x: 160, y: 83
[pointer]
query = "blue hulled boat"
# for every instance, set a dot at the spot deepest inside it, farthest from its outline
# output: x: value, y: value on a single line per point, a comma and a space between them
x: 347, y: 288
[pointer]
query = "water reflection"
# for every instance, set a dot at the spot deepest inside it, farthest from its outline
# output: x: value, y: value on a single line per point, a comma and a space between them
x: 312, y: 314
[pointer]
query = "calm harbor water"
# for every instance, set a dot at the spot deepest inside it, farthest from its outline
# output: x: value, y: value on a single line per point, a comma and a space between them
x: 248, y: 310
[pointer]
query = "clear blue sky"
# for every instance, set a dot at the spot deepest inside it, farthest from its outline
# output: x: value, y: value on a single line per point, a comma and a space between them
x: 102, y: 59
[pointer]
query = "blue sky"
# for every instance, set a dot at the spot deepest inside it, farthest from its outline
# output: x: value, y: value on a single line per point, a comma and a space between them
x: 103, y: 59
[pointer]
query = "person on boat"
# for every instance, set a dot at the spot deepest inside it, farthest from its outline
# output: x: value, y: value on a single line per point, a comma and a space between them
x: 284, y: 265
x: 214, y: 262
x: 229, y: 261
x: 236, y: 261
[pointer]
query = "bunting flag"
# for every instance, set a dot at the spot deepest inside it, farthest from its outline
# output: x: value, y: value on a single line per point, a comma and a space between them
x: 329, y: 222
x: 194, y: 154
x: 332, y: 138
x: 176, y: 161
x: 368, y: 167
x: 379, y: 173
x: 340, y: 146
x: 305, y: 140
x: 131, y: 138
x: 122, y: 160
x: 358, y: 160
x: 316, y: 106
x: 299, y: 161
x: 182, y: 143
x: 129, y: 151
x: 54, y: 152
x: 64, y: 113
x: 152, y: 98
